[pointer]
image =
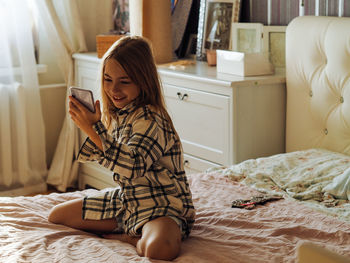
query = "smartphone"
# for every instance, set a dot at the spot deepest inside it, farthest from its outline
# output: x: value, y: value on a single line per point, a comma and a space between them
x: 84, y: 96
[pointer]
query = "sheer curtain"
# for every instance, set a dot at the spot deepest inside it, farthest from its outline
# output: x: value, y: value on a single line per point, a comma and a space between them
x: 22, y: 135
x: 63, y: 27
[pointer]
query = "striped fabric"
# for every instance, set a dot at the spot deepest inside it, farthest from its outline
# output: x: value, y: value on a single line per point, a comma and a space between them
x: 284, y: 11
x: 146, y: 157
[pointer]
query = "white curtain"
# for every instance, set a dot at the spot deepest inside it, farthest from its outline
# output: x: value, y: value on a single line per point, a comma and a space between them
x: 63, y: 27
x: 22, y: 135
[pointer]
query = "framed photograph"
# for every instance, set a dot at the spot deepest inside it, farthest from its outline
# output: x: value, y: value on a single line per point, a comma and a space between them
x: 214, y: 25
x: 247, y: 37
x: 274, y: 44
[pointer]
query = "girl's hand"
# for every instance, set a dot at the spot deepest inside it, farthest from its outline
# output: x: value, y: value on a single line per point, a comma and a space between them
x: 82, y: 117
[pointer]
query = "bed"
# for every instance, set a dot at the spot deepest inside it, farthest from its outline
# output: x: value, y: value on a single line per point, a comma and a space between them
x: 310, y: 183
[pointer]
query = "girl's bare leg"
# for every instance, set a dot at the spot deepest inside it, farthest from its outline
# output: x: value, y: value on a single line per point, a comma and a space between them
x: 161, y: 239
x: 70, y: 214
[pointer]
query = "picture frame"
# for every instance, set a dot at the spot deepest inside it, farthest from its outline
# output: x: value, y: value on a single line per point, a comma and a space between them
x: 247, y: 37
x: 274, y: 45
x: 214, y: 25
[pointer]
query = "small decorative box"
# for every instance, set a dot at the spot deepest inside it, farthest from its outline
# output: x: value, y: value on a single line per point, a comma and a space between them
x: 104, y: 42
x: 243, y: 64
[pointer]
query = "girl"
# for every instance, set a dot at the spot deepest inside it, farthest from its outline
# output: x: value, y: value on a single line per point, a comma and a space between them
x: 152, y: 209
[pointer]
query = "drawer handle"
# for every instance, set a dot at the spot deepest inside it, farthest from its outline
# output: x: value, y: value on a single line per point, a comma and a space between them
x: 186, y: 162
x: 180, y: 96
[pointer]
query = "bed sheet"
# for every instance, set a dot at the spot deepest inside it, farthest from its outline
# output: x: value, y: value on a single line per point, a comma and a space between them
x: 267, y: 233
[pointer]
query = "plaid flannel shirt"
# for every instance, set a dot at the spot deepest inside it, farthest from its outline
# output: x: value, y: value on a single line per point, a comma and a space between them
x: 146, y: 157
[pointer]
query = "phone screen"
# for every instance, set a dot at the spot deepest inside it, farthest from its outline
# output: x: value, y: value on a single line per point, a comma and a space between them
x: 84, y: 96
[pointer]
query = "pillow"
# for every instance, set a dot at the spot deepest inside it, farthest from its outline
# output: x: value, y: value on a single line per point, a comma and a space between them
x: 340, y: 186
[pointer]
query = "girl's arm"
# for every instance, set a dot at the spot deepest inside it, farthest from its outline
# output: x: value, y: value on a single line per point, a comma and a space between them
x: 133, y: 158
x: 95, y: 139
x: 128, y: 160
x: 147, y: 143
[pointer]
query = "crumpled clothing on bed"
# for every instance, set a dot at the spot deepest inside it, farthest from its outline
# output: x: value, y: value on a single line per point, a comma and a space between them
x: 254, y: 201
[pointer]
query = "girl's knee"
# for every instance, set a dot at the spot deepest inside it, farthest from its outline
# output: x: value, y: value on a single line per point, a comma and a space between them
x: 161, y: 248
x: 59, y: 213
x: 161, y: 239
x: 54, y: 215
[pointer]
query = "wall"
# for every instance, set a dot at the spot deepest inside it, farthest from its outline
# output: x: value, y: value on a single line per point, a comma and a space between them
x: 96, y: 17
x: 53, y: 105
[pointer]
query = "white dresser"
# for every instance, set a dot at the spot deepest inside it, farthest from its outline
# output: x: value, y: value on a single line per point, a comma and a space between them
x: 221, y: 119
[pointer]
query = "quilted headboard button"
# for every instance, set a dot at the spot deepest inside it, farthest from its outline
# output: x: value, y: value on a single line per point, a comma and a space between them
x: 325, y: 131
x: 341, y: 99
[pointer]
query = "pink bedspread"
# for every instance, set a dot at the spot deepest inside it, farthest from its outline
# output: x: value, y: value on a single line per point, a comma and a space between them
x: 268, y: 233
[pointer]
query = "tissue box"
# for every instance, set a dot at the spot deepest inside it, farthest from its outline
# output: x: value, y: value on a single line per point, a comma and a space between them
x: 243, y: 64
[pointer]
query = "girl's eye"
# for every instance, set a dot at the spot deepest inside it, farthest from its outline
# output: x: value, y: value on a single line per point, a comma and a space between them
x: 125, y: 82
x: 106, y: 79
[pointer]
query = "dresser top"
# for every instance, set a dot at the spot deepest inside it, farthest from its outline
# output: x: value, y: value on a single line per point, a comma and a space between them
x: 199, y: 70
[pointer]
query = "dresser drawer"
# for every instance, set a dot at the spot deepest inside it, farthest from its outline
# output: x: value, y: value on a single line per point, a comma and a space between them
x: 95, y: 175
x: 196, y: 165
x: 92, y: 173
x: 202, y: 121
x: 87, y: 78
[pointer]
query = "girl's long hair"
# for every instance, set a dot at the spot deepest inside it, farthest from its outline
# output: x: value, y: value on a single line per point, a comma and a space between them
x: 135, y: 55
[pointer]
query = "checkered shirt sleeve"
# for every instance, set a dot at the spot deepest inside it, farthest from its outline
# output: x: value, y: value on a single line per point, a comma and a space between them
x: 127, y: 160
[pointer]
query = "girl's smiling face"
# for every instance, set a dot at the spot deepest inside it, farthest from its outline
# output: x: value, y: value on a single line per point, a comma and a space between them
x: 117, y: 84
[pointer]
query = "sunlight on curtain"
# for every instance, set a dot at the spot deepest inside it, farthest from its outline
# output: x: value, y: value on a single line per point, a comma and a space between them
x: 22, y: 133
x: 62, y: 25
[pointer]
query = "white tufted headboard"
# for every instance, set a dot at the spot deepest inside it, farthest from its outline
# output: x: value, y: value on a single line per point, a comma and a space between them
x: 318, y: 84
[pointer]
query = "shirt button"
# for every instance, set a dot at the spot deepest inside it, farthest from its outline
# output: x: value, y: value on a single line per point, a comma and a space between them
x: 325, y: 131
x: 310, y: 93
x: 341, y: 99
